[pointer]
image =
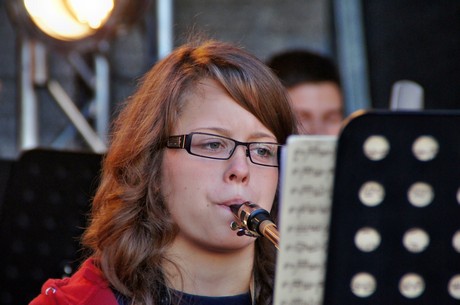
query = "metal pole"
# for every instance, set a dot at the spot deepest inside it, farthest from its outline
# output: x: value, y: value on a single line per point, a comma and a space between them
x: 102, y: 96
x: 165, y: 32
x: 28, y: 107
x: 78, y: 120
x: 352, y: 57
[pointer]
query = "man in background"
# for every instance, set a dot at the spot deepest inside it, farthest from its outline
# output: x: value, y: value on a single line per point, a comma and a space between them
x: 313, y: 83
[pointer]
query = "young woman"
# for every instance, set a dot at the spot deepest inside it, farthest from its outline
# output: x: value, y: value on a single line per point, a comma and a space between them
x: 201, y: 133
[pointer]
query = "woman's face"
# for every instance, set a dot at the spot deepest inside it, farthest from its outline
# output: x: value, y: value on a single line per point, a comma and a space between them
x: 199, y: 191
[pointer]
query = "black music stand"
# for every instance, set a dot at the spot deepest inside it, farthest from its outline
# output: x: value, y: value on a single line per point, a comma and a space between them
x: 43, y: 212
x: 395, y: 219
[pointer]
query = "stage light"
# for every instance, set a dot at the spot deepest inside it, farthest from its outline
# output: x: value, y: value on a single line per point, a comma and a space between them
x: 74, y: 24
x: 69, y: 19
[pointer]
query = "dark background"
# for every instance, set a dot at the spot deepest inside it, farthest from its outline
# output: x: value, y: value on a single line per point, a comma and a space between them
x: 416, y: 40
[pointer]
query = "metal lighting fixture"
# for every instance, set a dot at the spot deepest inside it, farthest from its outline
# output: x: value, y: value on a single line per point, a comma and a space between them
x: 74, y: 24
x: 69, y: 20
x: 78, y: 30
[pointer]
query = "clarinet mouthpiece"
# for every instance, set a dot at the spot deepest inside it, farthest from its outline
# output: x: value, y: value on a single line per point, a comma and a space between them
x: 235, y: 208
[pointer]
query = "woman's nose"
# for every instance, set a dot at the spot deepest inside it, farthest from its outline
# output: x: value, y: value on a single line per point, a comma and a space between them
x: 238, y: 167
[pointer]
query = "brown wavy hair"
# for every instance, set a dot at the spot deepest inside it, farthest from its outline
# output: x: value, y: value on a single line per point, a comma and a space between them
x: 130, y: 225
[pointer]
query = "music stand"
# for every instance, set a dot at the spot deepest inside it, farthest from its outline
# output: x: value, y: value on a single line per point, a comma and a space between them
x: 43, y: 213
x: 395, y: 219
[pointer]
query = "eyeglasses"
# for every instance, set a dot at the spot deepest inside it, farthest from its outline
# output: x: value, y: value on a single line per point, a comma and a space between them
x: 212, y: 146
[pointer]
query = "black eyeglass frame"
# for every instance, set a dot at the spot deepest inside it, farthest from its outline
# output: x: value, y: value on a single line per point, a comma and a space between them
x: 184, y: 141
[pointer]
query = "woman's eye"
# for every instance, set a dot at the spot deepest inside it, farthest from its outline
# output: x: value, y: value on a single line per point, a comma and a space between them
x: 213, y: 145
x: 265, y: 152
x: 262, y: 151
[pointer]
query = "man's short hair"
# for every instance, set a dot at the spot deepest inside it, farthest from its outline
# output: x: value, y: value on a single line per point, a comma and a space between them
x: 294, y: 67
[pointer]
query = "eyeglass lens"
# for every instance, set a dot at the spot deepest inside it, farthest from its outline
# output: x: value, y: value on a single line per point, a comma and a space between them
x: 213, y: 146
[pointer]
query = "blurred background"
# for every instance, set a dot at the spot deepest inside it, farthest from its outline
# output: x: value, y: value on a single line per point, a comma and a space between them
x: 375, y: 43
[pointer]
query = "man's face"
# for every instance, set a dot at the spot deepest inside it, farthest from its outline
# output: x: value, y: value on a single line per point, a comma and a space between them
x: 318, y: 107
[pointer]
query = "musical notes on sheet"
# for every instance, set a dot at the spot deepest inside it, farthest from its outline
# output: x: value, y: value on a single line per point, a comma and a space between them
x: 306, y: 187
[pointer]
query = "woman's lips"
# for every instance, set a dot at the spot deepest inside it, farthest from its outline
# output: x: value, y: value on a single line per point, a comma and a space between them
x: 232, y: 202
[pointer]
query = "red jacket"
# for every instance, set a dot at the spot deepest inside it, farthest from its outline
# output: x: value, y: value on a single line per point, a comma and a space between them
x: 86, y: 287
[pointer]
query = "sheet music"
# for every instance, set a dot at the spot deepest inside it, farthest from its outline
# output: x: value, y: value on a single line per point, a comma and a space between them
x: 305, y: 197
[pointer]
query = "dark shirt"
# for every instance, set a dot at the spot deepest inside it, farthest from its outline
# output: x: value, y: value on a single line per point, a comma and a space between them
x: 189, y: 299
x: 241, y: 299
